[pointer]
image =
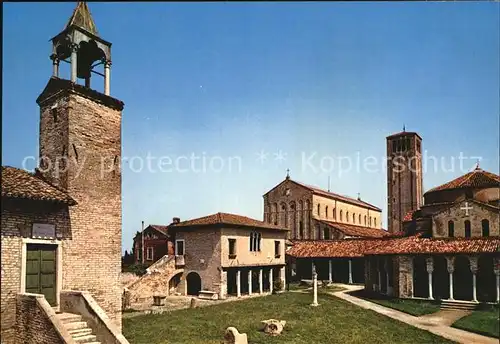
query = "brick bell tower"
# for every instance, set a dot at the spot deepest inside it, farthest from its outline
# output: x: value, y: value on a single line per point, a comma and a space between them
x: 80, y: 151
x: 404, y: 177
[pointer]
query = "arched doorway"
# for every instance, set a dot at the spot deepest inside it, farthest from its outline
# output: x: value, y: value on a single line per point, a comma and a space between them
x: 420, y: 277
x: 440, y: 279
x: 462, y: 279
x: 486, y: 280
x: 193, y: 283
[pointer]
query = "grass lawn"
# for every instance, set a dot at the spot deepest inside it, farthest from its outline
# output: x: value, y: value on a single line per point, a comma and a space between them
x: 484, y: 322
x: 334, y: 321
x: 413, y: 307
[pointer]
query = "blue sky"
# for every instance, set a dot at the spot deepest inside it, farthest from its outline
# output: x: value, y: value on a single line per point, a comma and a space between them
x: 229, y: 80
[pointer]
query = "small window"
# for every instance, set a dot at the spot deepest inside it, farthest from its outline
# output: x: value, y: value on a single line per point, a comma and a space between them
x: 326, y: 233
x: 359, y: 219
x: 334, y: 213
x: 301, y: 230
x: 370, y: 221
x: 347, y: 216
x: 485, y: 225
x: 341, y: 215
x: 319, y: 209
x: 232, y: 248
x: 365, y: 220
x: 467, y: 229
x: 354, y: 218
x: 277, y: 249
x: 150, y: 253
x: 374, y: 222
x: 451, y: 229
x: 326, y: 211
x: 179, y: 247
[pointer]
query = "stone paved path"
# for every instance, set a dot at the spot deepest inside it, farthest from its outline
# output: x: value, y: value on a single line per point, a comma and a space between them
x: 437, y: 323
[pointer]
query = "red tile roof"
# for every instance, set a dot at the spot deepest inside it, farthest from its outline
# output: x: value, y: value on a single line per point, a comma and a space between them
x: 18, y: 183
x: 408, y: 245
x: 160, y: 228
x: 356, y: 231
x: 227, y: 219
x: 475, y: 179
x: 346, y: 248
x: 332, y: 195
x: 415, y: 245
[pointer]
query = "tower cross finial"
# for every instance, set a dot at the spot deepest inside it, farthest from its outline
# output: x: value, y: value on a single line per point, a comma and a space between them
x: 477, y: 164
x: 404, y: 128
x: 359, y: 196
x: 287, y: 173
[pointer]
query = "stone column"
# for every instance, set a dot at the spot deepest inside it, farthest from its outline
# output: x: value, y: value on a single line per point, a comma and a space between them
x: 238, y: 283
x: 107, y: 72
x: 315, y: 288
x: 386, y: 267
x: 450, y: 261
x: 430, y: 269
x: 261, y: 289
x: 283, y: 277
x: 350, y: 271
x: 250, y: 282
x: 473, y: 269
x: 74, y: 49
x: 271, y: 286
x: 496, y: 269
x: 379, y: 275
x: 55, y: 66
x: 330, y: 274
x: 223, y: 285
x: 312, y: 268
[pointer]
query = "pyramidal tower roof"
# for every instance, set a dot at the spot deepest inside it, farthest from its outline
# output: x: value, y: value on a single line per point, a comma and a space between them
x: 81, y: 17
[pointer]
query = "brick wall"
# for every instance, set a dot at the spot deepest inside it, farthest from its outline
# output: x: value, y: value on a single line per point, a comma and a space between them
x: 203, y: 255
x: 17, y: 221
x: 88, y: 134
x: 34, y: 325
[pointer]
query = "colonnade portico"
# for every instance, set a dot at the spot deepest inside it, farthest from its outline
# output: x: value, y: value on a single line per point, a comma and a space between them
x: 262, y: 289
x: 461, y: 277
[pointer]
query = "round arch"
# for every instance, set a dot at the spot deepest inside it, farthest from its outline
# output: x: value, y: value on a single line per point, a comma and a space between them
x: 193, y: 281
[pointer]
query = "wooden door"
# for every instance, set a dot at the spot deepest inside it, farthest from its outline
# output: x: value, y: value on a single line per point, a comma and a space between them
x: 41, y: 271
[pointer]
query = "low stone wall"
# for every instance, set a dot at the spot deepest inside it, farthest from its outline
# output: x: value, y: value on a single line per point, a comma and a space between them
x: 36, y: 322
x: 82, y: 303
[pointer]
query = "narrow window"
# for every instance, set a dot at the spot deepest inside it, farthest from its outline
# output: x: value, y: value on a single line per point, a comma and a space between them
x: 451, y: 229
x: 326, y: 211
x: 232, y: 248
x: 301, y: 230
x: 179, y: 247
x: 467, y: 228
x: 319, y: 209
x: 277, y: 249
x: 334, y: 213
x: 347, y: 216
x: 370, y: 221
x: 340, y: 215
x: 258, y: 241
x: 374, y: 222
x: 353, y: 218
x: 149, y: 253
x: 485, y: 224
x: 359, y: 219
x: 365, y: 220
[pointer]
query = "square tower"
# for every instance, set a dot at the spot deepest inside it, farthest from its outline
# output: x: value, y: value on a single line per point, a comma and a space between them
x: 80, y: 153
x: 404, y: 177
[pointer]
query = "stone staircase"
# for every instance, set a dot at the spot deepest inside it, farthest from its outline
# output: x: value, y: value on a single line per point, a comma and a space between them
x: 77, y: 328
x: 458, y: 305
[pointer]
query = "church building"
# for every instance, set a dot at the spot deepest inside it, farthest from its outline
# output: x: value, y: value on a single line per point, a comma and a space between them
x: 444, y: 244
x: 61, y: 225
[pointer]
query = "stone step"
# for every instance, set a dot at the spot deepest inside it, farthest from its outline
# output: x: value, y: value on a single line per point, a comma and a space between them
x: 85, y: 339
x: 461, y: 305
x: 80, y: 332
x: 75, y: 325
x: 69, y: 317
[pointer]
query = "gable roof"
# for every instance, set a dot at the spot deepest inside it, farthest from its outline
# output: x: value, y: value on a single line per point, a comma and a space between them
x: 477, y: 178
x: 356, y: 231
x: 227, y: 219
x: 82, y: 18
x: 18, y: 183
x: 160, y: 228
x: 331, y: 195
